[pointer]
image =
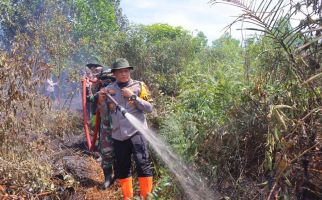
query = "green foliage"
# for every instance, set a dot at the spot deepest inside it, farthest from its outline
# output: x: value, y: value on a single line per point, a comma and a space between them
x: 157, y: 57
x: 13, y: 18
x: 159, y: 32
x: 95, y: 18
x: 278, y: 97
x: 165, y: 187
x: 227, y: 49
x: 172, y: 129
x: 171, y: 57
x: 201, y: 38
x: 95, y: 25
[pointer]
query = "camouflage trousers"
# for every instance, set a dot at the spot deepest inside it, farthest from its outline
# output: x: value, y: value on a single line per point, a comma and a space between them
x: 106, y: 142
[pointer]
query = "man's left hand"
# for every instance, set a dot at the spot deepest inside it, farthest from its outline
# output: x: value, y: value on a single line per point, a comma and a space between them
x: 127, y: 92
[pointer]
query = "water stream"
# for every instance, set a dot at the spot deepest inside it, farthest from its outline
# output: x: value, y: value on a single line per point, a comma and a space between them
x: 193, y: 183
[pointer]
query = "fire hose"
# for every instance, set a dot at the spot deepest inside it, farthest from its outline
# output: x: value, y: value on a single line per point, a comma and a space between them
x: 90, y: 143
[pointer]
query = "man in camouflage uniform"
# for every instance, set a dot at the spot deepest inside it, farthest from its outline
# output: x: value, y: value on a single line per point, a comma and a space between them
x: 97, y: 80
x: 106, y: 149
x: 105, y: 138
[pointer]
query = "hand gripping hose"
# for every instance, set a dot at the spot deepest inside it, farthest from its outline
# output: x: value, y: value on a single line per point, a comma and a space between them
x: 118, y: 106
x: 90, y: 144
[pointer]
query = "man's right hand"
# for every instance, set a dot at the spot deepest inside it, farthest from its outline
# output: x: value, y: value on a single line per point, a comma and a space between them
x: 102, y: 94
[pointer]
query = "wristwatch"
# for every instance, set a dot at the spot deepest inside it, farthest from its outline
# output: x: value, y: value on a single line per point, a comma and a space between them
x: 133, y: 97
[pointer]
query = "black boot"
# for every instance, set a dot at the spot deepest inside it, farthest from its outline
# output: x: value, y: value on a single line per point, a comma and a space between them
x: 109, y: 178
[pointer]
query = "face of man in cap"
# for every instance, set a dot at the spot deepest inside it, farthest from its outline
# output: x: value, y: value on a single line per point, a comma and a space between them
x: 121, y: 70
x: 122, y: 75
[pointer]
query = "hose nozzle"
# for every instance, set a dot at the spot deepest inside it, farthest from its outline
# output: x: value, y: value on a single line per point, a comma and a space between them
x: 121, y: 109
x: 118, y: 106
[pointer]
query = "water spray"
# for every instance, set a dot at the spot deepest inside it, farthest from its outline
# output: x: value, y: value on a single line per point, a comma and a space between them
x: 194, y: 185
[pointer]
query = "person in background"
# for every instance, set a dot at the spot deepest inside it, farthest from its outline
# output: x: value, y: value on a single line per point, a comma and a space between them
x: 98, y: 80
x: 127, y: 141
x: 92, y: 88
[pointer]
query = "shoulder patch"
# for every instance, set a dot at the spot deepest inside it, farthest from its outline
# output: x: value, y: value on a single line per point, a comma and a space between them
x: 144, y: 92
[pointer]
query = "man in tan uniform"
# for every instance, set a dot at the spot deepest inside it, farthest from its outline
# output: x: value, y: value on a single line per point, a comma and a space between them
x: 127, y: 141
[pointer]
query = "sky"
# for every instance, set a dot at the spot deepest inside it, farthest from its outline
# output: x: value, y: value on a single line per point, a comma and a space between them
x: 192, y: 15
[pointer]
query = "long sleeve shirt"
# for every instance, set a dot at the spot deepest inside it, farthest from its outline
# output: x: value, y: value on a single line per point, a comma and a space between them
x: 122, y: 129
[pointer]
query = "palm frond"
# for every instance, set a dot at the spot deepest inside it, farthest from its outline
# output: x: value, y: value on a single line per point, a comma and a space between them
x: 309, y: 43
x: 268, y: 16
